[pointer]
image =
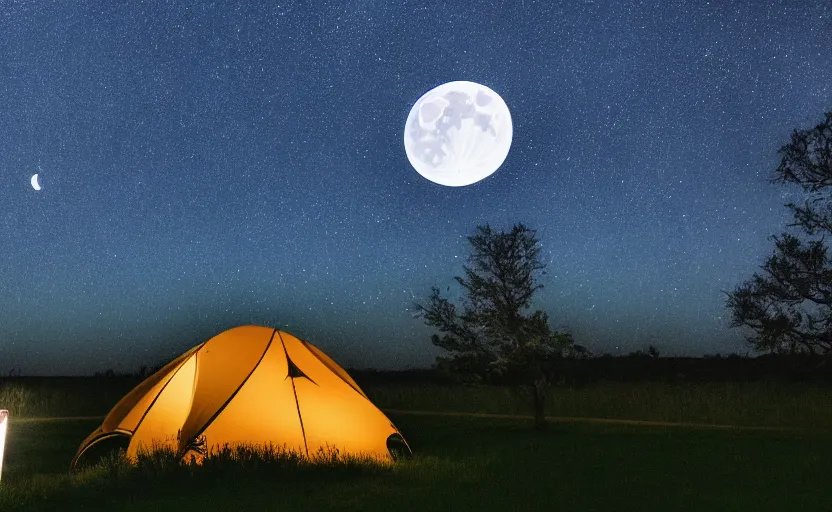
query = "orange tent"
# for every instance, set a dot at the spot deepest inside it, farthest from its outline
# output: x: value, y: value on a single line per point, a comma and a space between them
x: 248, y: 385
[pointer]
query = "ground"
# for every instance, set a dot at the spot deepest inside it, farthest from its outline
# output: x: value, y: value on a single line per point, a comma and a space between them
x: 467, y: 463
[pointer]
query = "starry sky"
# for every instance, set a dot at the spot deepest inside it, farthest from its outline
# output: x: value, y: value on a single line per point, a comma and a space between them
x: 211, y: 164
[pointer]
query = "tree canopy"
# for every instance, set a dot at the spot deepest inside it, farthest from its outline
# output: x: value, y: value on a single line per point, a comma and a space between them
x: 491, y: 332
x: 788, y: 304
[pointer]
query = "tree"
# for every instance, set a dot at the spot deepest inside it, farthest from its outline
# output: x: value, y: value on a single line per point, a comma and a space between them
x: 788, y: 306
x: 491, y: 334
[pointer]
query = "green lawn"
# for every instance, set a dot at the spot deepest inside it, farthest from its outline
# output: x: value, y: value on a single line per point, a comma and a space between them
x: 464, y: 464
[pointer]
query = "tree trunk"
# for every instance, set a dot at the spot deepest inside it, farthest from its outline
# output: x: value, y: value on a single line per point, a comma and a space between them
x: 538, y: 390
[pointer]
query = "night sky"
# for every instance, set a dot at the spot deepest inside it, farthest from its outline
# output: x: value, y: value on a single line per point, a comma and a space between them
x: 216, y: 164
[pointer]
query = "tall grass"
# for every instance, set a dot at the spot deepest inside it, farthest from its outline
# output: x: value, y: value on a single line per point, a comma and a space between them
x: 45, y: 397
x: 160, y: 470
x: 21, y: 400
x: 237, y: 459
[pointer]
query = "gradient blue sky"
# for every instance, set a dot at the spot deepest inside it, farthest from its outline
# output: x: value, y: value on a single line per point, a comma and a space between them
x: 212, y: 164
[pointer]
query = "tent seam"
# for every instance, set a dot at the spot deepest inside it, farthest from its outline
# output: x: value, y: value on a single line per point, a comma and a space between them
x: 305, y: 345
x: 230, y: 398
x: 138, y: 424
x: 155, y: 398
x: 189, y: 353
x: 295, y: 392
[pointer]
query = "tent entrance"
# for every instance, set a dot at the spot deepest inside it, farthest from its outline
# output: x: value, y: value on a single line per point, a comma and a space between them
x: 102, y: 448
x: 398, y: 447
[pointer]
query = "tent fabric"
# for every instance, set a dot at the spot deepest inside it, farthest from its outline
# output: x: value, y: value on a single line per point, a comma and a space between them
x: 249, y: 385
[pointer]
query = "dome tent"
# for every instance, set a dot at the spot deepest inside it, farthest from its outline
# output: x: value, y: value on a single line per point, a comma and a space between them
x: 247, y: 385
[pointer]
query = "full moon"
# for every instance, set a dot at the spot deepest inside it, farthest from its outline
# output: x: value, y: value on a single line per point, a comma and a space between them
x: 458, y: 133
x: 35, y: 184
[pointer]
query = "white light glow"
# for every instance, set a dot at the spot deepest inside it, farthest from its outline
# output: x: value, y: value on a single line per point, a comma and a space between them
x: 4, y: 423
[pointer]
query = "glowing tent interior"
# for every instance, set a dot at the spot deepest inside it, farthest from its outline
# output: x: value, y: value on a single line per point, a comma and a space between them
x: 247, y: 385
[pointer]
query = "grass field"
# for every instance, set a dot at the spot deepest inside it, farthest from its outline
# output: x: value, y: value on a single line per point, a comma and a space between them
x: 465, y: 463
x: 755, y: 403
x: 748, y: 404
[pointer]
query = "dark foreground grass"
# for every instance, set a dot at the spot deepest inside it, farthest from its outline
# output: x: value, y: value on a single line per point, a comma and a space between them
x: 459, y: 464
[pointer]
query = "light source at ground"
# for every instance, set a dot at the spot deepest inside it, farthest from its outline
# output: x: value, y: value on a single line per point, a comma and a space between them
x: 4, y: 423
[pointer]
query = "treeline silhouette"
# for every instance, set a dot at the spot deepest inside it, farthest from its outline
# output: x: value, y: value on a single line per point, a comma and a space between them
x: 640, y: 367
x: 635, y: 367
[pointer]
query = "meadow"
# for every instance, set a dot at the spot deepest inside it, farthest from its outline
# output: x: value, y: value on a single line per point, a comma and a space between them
x: 468, y: 462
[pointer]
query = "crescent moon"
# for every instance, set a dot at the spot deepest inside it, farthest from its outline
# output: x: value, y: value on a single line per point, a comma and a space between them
x: 35, y: 184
